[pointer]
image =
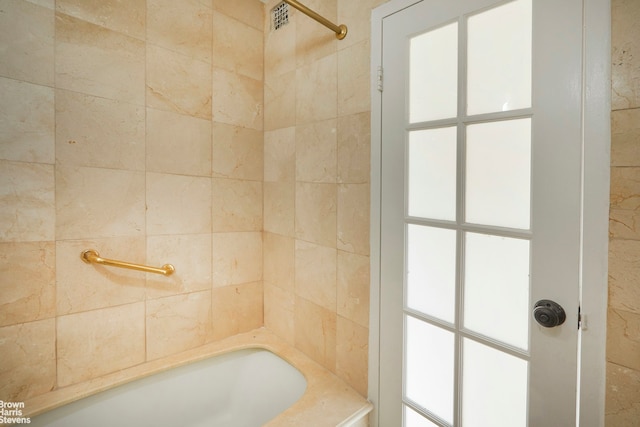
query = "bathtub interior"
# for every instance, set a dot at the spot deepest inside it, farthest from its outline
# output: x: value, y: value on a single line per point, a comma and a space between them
x: 244, y: 388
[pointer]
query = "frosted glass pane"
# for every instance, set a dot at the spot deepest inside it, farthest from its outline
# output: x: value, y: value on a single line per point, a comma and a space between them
x: 494, y: 388
x: 433, y: 74
x: 498, y: 179
x: 496, y: 288
x: 499, y: 59
x: 432, y: 173
x: 431, y: 271
x: 414, y: 419
x: 429, y: 367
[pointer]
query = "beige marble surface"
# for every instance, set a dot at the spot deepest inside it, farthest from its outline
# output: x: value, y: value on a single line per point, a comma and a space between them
x: 327, y: 400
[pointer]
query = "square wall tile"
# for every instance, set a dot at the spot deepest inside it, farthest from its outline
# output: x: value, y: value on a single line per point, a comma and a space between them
x: 354, y: 148
x: 237, y: 152
x: 317, y: 90
x: 280, y: 101
x: 237, y: 47
x: 178, y: 144
x: 279, y: 312
x: 315, y: 274
x: 99, y: 132
x: 625, y: 54
x: 353, y: 287
x: 26, y: 122
x: 178, y: 204
x: 111, y: 14
x: 237, y: 309
x: 625, y: 137
x: 279, y: 261
x: 280, y: 155
x: 353, y: 218
x: 279, y: 207
x: 178, y: 83
x: 625, y: 188
x: 82, y: 287
x: 177, y: 323
x: 237, y: 258
x: 316, y: 213
x: 314, y: 41
x: 28, y: 365
x: 354, y: 83
x: 622, y: 397
x: 27, y: 282
x: 352, y: 354
x: 237, y: 205
x: 95, y: 202
x: 316, y: 151
x: 279, y: 46
x: 315, y: 332
x: 623, y: 339
x: 27, y: 202
x: 27, y: 42
x: 237, y: 100
x: 184, y: 26
x: 190, y: 254
x: 624, y: 274
x: 94, y: 343
x: 248, y: 11
x: 97, y: 61
x: 624, y: 224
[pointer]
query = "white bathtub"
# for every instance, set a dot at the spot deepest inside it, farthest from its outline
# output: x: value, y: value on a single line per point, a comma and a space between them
x: 244, y: 388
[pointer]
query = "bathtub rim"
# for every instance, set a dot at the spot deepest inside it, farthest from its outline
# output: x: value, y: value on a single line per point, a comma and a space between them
x: 324, y: 390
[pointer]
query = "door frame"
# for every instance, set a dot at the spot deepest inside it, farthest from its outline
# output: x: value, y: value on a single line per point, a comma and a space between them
x: 596, y: 136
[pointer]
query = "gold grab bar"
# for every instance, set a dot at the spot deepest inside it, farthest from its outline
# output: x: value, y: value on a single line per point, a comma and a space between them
x: 340, y: 30
x: 91, y: 255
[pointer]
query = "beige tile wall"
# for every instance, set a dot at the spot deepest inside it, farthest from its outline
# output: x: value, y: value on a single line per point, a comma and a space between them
x: 135, y: 128
x: 316, y: 189
x: 623, y: 332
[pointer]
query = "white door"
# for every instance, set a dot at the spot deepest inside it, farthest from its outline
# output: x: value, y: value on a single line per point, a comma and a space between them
x: 481, y: 213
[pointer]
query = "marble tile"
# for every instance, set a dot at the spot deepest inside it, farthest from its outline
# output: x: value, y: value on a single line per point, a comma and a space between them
x: 279, y: 261
x: 280, y: 155
x: 248, y: 11
x: 280, y: 101
x: 178, y: 204
x: 237, y: 258
x: 352, y: 354
x: 111, y: 14
x: 99, y: 132
x: 97, y: 61
x: 313, y: 40
x: 279, y: 312
x: 279, y: 207
x: 624, y: 273
x: 354, y: 79
x: 177, y: 323
x: 357, y: 16
x: 315, y: 332
x: 96, y: 202
x: 316, y: 151
x: 622, y: 406
x: 315, y: 274
x: 353, y: 218
x: 26, y: 122
x: 178, y: 83
x: 624, y: 224
x: 625, y: 188
x: 353, y: 283
x: 83, y: 287
x: 237, y: 205
x: 95, y: 343
x: 184, y: 26
x: 237, y: 100
x: 27, y: 202
x: 237, y: 309
x: 237, y: 152
x: 28, y: 365
x: 625, y: 54
x: 27, y: 42
x: 317, y: 90
x: 237, y: 47
x: 279, y: 47
x: 623, y: 345
x: 354, y: 148
x: 178, y: 144
x: 625, y: 137
x: 190, y: 254
x: 50, y: 4
x: 27, y: 282
x: 315, y: 219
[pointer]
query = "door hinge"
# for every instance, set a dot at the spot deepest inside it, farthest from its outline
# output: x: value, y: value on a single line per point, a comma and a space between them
x: 582, y: 320
x: 380, y: 79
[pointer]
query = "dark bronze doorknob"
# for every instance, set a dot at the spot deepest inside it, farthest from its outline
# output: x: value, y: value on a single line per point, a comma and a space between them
x: 548, y: 313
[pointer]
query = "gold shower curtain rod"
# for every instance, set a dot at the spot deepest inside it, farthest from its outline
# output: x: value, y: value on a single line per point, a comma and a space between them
x: 91, y: 255
x: 340, y: 30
